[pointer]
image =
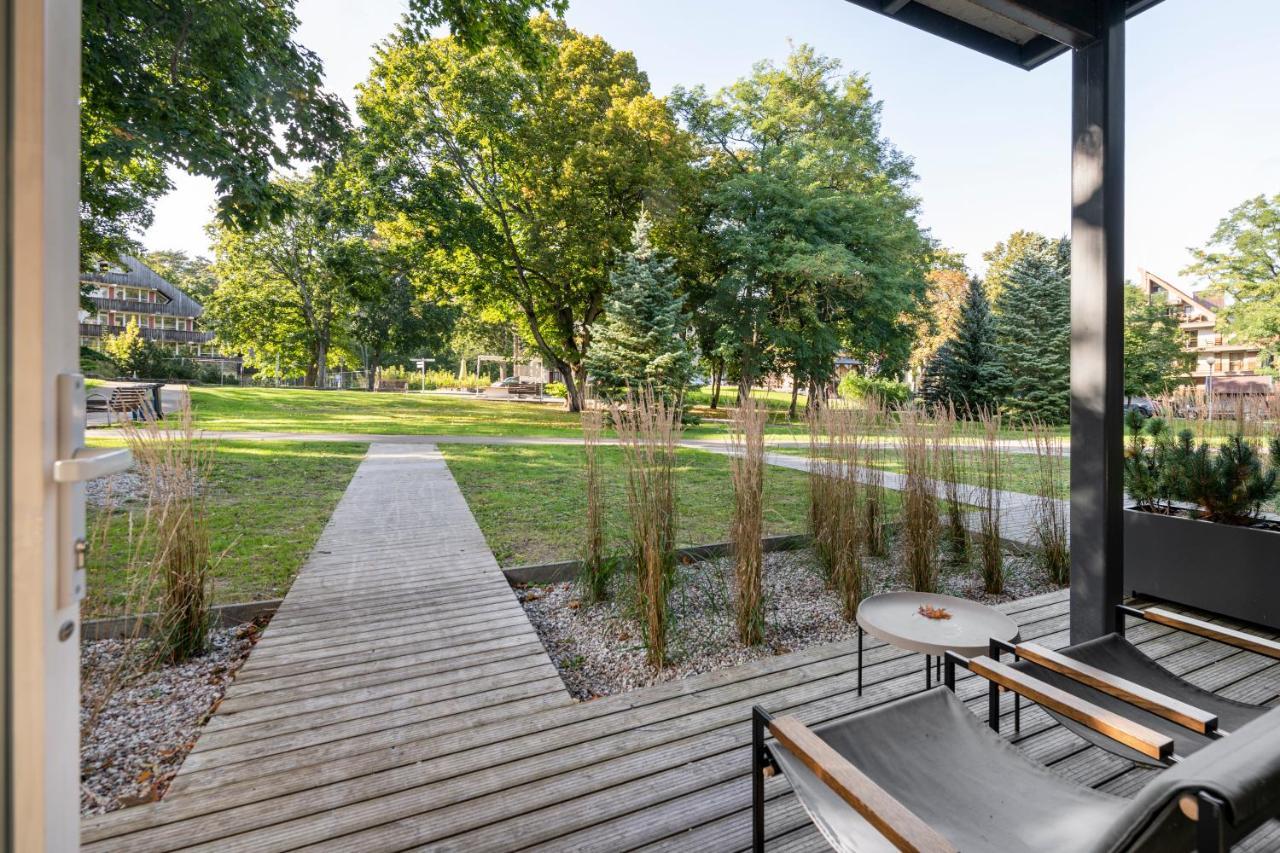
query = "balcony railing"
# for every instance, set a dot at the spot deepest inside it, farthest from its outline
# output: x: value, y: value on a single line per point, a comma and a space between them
x: 133, y: 306
x: 178, y: 335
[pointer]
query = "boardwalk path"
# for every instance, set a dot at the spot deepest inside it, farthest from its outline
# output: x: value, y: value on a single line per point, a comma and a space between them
x: 400, y: 624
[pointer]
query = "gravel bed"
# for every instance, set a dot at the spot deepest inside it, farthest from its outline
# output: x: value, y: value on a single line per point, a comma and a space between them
x: 599, y: 650
x: 148, y: 720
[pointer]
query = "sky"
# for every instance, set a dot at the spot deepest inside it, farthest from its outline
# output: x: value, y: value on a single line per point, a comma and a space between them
x: 991, y: 143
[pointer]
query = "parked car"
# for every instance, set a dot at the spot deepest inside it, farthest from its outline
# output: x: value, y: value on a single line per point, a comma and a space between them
x: 510, y: 380
x: 1142, y: 405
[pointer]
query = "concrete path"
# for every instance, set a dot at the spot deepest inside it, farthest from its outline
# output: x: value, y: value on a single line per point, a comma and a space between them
x: 400, y: 626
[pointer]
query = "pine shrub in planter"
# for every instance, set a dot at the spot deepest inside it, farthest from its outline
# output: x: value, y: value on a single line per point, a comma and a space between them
x: 1196, y: 532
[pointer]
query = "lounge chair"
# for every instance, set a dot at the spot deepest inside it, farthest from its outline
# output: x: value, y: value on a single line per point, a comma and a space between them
x: 1114, y: 674
x: 923, y: 773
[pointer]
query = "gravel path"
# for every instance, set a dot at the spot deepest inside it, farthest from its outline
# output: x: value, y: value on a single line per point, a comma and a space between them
x: 148, y: 721
x: 599, y: 650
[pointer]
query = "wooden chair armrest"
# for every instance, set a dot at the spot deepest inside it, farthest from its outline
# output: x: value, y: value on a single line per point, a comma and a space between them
x: 1114, y: 726
x: 891, y: 818
x: 1135, y: 694
x: 1230, y: 636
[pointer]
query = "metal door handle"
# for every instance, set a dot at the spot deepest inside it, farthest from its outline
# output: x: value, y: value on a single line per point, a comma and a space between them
x: 86, y: 464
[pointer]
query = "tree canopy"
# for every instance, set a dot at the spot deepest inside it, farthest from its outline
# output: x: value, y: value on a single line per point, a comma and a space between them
x: 524, y: 179
x: 1033, y: 333
x: 810, y: 223
x: 965, y: 370
x: 1242, y: 259
x: 1154, y: 357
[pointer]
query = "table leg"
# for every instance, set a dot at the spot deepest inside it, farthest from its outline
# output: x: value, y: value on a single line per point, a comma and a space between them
x: 928, y: 671
x: 1017, y: 713
x: 859, y: 660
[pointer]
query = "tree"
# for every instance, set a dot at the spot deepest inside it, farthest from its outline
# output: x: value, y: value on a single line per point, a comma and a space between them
x: 1154, y: 357
x: 948, y: 291
x: 1001, y: 258
x: 639, y: 344
x: 284, y: 289
x: 1033, y: 334
x: 129, y: 350
x: 528, y: 175
x: 219, y: 88
x: 813, y: 230
x: 965, y: 371
x: 192, y: 275
x: 1242, y: 259
x: 215, y: 88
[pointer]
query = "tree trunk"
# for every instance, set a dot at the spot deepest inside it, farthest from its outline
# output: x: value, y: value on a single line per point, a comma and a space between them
x: 816, y: 396
x: 309, y: 379
x: 374, y: 364
x: 715, y: 387
x: 322, y: 367
x: 795, y: 392
x: 744, y: 386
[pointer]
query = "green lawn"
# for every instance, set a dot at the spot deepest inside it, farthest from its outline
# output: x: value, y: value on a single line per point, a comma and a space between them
x: 297, y: 410
x: 268, y: 503
x: 530, y: 501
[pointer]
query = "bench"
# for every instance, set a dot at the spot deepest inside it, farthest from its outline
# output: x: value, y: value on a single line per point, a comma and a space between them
x: 523, y: 389
x: 133, y: 400
x: 393, y: 384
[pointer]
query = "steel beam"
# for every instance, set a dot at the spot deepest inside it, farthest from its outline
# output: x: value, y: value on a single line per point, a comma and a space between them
x: 1066, y: 23
x: 1097, y: 327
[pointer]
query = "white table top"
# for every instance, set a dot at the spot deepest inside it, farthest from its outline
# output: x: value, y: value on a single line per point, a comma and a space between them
x: 895, y: 618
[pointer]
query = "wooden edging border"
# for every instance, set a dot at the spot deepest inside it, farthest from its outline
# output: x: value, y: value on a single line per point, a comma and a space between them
x: 220, y: 616
x: 568, y: 570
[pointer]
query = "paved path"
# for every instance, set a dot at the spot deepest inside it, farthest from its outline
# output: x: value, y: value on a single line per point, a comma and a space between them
x: 399, y: 626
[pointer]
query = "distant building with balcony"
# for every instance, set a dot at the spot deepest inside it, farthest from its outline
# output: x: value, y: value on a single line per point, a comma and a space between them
x: 130, y: 291
x: 1224, y: 364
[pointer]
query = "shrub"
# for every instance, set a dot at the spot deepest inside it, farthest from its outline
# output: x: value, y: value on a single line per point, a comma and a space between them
x: 1231, y: 485
x: 747, y: 467
x: 886, y: 391
x: 648, y: 432
x: 555, y: 389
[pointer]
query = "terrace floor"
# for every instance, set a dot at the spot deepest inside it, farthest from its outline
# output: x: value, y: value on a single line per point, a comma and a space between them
x: 401, y: 700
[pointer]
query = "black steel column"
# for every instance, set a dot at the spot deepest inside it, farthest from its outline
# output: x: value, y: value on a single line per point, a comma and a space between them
x: 1097, y: 327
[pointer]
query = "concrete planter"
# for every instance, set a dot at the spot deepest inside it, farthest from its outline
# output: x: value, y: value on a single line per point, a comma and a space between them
x: 1222, y: 568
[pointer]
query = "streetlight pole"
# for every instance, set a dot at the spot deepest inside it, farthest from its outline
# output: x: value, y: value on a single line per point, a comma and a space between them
x: 1208, y: 384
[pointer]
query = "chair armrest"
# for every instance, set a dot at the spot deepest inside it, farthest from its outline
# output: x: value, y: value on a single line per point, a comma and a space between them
x: 1114, y: 726
x: 891, y: 818
x: 1135, y: 694
x: 1230, y: 636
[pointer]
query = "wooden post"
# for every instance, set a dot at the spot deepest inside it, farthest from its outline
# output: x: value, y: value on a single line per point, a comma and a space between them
x: 1097, y: 327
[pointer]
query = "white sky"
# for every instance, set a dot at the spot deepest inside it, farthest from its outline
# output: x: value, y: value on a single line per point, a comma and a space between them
x: 990, y: 142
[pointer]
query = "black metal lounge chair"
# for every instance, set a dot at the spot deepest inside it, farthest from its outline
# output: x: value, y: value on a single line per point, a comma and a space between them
x: 1114, y: 674
x: 924, y: 774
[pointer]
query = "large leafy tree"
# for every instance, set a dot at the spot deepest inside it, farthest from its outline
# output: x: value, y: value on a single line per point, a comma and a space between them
x: 640, y: 343
x: 965, y: 370
x: 284, y: 287
x: 1242, y: 259
x: 813, y: 233
x: 215, y: 88
x: 528, y: 175
x: 1033, y: 333
x: 948, y: 286
x: 1154, y: 357
x: 220, y: 88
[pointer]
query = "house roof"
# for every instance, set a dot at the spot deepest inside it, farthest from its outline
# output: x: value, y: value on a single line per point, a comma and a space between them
x: 138, y: 274
x: 1149, y: 278
x: 1025, y: 33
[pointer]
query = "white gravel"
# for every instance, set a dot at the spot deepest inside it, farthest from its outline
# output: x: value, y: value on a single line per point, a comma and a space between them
x: 599, y: 650
x: 131, y: 749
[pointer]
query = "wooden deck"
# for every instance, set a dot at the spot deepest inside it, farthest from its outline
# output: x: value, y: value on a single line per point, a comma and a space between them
x: 435, y: 721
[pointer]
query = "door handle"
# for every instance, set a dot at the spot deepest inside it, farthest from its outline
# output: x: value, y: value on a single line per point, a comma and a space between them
x: 86, y: 464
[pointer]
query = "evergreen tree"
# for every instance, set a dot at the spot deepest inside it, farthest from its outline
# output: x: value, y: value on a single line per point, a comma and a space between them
x: 1033, y: 334
x: 965, y: 370
x: 638, y: 343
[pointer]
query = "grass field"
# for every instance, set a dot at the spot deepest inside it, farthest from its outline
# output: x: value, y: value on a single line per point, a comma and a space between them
x: 268, y: 503
x: 530, y: 501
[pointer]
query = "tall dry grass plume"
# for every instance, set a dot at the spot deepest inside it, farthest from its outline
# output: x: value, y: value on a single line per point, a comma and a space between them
x: 594, y: 578
x: 951, y: 472
x: 1051, y: 528
x: 174, y: 543
x: 747, y: 467
x: 874, y: 417
x: 990, y: 480
x: 822, y: 478
x: 921, y: 525
x: 648, y: 432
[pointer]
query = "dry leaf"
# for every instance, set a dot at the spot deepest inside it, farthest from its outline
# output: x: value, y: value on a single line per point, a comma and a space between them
x: 930, y: 612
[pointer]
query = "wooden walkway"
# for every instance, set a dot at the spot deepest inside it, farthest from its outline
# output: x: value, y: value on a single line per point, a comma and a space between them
x: 438, y: 723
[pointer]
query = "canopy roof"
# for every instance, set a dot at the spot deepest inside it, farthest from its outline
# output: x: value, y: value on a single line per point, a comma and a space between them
x: 1025, y: 33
